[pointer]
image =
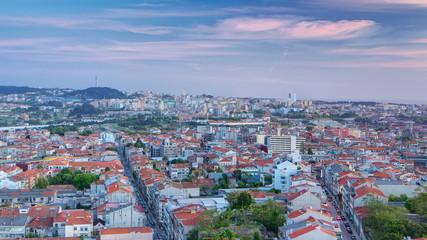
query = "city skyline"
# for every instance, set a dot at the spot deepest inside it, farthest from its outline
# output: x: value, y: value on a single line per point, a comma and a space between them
x: 320, y: 49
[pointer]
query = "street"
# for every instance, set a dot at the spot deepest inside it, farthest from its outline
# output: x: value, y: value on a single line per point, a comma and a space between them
x: 333, y: 207
x: 142, y: 200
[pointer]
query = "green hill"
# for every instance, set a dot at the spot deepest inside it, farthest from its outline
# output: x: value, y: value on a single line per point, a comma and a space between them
x: 5, y: 90
x: 97, y: 93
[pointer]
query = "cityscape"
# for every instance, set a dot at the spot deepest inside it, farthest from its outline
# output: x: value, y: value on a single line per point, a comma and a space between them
x: 213, y: 120
x: 101, y: 163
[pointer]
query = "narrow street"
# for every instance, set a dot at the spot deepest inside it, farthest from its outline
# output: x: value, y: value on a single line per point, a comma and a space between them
x: 333, y: 207
x: 142, y: 201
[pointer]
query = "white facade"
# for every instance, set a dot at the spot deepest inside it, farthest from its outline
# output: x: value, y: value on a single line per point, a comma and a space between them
x: 283, y: 175
x: 108, y: 137
x: 307, y: 199
x: 77, y: 230
x: 284, y: 144
x: 124, y: 216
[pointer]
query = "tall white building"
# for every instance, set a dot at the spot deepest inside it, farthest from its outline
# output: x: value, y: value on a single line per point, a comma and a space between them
x: 292, y: 98
x: 108, y: 137
x: 284, y: 144
x: 283, y: 173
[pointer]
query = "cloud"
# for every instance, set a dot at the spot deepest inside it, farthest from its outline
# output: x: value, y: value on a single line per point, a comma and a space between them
x: 288, y: 28
x: 27, y: 42
x: 382, y: 51
x: 51, y: 21
x: 371, y: 5
x: 116, y: 51
x: 424, y: 40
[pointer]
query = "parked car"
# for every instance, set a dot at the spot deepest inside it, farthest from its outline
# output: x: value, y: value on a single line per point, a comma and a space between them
x: 349, y: 230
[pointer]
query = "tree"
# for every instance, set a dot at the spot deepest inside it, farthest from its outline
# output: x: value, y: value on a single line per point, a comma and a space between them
x: 42, y: 183
x: 242, y: 200
x: 310, y: 151
x: 268, y: 179
x: 270, y: 214
x: 257, y: 235
x: 309, y: 128
x: 76, y: 178
x: 390, y: 222
x: 139, y: 143
x: 165, y: 158
x: 237, y: 174
x: 418, y: 205
x: 83, y: 181
x: 226, y: 234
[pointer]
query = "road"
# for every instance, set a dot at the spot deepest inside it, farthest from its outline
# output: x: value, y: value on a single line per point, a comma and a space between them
x: 333, y: 208
x: 142, y: 200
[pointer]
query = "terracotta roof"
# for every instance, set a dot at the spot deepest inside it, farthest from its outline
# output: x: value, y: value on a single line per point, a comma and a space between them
x: 308, y: 229
x: 363, y: 191
x: 43, y: 211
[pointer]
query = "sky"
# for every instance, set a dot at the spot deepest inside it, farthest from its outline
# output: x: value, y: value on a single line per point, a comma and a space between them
x: 319, y: 49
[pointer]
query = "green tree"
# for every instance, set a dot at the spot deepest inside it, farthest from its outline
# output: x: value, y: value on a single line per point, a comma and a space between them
x: 83, y: 181
x: 390, y: 222
x: 226, y: 234
x: 309, y: 128
x: 42, y: 183
x: 139, y: 143
x: 270, y: 214
x: 257, y: 236
x: 242, y: 200
x: 310, y: 151
x: 268, y: 179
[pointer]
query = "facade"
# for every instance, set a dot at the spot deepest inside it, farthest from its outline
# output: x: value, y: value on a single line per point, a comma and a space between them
x: 284, y: 144
x: 13, y: 227
x: 124, y: 216
x: 168, y: 149
x: 283, y: 172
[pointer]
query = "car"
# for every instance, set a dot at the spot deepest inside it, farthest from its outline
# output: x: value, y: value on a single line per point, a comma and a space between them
x: 339, y: 218
x: 349, y: 230
x: 346, y: 224
x: 342, y: 217
x: 353, y: 237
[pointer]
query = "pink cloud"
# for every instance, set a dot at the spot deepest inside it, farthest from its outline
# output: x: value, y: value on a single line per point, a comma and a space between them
x: 420, y: 40
x: 292, y: 28
x: 327, y: 29
x: 252, y: 24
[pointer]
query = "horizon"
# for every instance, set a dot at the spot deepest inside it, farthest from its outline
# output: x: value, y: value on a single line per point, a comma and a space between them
x: 321, y: 49
x: 329, y: 100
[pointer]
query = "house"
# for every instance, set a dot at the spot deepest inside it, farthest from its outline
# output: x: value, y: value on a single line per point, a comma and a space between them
x: 125, y: 215
x: 312, y: 232
x: 119, y: 192
x: 179, y: 170
x: 13, y: 227
x: 304, y: 199
x: 27, y: 196
x: 306, y: 213
x: 73, y: 223
x: 134, y: 233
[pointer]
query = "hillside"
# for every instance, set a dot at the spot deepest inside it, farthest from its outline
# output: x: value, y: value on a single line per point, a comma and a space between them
x: 5, y: 90
x: 96, y: 93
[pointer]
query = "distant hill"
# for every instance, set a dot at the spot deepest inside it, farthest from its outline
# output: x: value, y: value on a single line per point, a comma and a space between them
x: 96, y: 93
x: 5, y: 90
